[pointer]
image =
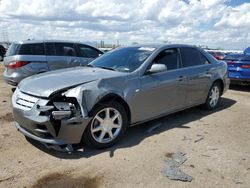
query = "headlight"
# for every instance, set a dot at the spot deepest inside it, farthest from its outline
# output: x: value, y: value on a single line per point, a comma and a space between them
x: 63, y: 110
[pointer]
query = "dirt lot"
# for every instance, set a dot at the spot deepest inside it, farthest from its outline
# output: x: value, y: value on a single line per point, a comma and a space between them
x: 217, y: 147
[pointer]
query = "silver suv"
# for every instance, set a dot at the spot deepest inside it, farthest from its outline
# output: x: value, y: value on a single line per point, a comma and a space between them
x: 27, y: 58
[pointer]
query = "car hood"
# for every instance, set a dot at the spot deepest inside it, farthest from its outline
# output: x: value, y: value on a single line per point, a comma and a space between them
x: 49, y: 83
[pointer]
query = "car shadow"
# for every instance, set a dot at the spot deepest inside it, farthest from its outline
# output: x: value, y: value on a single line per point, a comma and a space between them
x: 244, y: 88
x: 138, y: 133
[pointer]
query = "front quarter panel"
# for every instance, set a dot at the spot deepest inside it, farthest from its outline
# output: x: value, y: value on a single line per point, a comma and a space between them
x: 88, y: 95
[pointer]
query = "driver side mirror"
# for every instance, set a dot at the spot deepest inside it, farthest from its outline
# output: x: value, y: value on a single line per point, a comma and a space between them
x: 156, y: 68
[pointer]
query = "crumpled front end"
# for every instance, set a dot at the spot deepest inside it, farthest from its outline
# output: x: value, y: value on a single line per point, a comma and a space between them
x: 59, y: 120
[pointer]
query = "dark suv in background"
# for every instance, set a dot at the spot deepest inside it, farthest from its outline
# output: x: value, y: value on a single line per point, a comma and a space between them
x: 2, y: 52
x: 27, y: 58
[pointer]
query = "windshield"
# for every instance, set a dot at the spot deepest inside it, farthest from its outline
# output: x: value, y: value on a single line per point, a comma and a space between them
x: 123, y: 59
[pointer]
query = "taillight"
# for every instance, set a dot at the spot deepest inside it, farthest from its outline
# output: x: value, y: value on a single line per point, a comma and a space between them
x: 245, y: 66
x: 218, y: 57
x: 16, y: 64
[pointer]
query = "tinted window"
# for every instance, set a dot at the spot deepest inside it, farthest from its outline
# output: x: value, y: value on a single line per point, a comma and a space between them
x: 50, y: 48
x: 65, y: 49
x: 13, y: 49
x: 192, y: 57
x: 169, y: 58
x: 31, y: 49
x: 124, y: 59
x: 88, y: 52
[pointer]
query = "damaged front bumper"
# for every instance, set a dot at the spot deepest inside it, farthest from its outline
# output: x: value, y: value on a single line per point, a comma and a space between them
x: 42, y: 121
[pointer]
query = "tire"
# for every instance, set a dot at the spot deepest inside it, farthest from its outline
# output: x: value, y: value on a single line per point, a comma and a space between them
x: 213, y: 97
x: 97, y: 134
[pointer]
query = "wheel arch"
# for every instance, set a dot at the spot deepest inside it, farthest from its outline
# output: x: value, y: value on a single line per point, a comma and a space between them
x: 109, y: 98
x: 219, y: 81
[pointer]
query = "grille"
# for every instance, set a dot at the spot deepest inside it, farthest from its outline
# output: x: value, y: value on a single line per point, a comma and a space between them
x: 24, y: 101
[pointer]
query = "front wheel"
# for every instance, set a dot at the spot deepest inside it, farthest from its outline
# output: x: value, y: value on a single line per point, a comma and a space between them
x: 108, y: 125
x: 213, y: 97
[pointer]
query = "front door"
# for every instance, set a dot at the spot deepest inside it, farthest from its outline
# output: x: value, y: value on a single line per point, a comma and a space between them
x: 161, y: 92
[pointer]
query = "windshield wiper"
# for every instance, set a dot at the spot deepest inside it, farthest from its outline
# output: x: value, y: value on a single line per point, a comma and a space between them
x: 108, y: 68
x: 88, y: 65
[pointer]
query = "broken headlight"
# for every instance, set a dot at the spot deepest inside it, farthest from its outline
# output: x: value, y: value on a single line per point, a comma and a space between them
x: 63, y: 110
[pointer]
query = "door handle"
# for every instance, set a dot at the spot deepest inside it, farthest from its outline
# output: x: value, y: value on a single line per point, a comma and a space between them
x: 74, y: 60
x: 208, y: 70
x: 181, y: 78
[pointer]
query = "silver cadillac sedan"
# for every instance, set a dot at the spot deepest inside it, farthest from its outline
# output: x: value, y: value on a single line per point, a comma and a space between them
x: 95, y: 104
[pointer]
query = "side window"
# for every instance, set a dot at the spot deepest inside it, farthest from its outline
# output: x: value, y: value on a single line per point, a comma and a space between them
x: 88, y: 52
x: 65, y: 49
x: 50, y: 48
x: 168, y: 57
x: 32, y: 49
x: 192, y: 57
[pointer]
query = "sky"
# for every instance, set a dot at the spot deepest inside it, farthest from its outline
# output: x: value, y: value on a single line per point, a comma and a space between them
x: 212, y: 23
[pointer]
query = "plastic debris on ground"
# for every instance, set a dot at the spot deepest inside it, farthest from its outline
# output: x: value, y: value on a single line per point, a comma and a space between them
x: 173, y: 171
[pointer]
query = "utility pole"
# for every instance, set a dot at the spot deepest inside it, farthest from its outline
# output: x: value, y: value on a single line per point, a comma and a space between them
x: 5, y: 36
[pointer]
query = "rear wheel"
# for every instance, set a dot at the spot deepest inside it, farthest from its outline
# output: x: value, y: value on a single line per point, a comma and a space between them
x: 213, y: 96
x: 108, y: 125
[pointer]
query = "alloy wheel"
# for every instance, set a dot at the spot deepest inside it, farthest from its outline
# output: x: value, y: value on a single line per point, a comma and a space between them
x: 106, y: 125
x: 214, y: 96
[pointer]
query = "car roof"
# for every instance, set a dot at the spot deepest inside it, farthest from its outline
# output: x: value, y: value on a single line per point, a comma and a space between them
x: 42, y: 41
x: 157, y: 46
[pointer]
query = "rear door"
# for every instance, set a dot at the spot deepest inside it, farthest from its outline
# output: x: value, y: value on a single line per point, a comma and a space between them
x: 87, y: 53
x: 198, y: 72
x: 61, y: 55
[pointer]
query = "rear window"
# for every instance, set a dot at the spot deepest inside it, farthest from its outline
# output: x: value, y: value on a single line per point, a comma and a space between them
x: 234, y: 57
x: 31, y: 49
x: 192, y: 57
x: 13, y: 49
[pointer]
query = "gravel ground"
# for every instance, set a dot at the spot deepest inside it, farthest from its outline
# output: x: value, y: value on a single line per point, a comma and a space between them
x: 216, y: 145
